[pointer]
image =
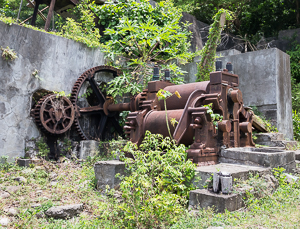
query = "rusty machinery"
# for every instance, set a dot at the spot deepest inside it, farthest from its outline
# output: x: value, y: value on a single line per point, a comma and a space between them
x: 195, y: 126
x: 98, y: 117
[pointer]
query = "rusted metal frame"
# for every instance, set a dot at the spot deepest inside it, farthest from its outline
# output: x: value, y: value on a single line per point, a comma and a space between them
x: 102, y: 125
x: 185, y: 120
x: 39, y: 11
x: 36, y: 8
x: 31, y: 16
x: 50, y: 15
x: 116, y: 125
x: 90, y: 110
x: 96, y: 90
x: 135, y: 126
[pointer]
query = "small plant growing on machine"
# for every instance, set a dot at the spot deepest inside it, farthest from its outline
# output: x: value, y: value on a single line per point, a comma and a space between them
x: 214, y: 117
x: 163, y: 94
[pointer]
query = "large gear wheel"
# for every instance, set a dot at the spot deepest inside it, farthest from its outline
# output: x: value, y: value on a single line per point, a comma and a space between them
x: 54, y: 114
x: 91, y: 121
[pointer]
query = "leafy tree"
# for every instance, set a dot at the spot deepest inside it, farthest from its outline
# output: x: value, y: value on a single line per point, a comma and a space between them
x: 253, y: 18
x: 137, y: 36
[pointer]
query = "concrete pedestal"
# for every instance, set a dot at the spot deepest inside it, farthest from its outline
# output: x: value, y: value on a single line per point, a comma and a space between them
x: 203, y: 198
x: 106, y: 171
x: 262, y: 157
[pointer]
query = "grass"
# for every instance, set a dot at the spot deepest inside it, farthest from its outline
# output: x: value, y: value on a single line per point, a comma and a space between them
x: 76, y: 184
x: 279, y: 210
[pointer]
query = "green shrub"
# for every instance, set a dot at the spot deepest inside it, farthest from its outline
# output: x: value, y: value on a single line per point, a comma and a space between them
x: 137, y: 36
x: 296, y: 125
x: 156, y: 191
x: 295, y: 76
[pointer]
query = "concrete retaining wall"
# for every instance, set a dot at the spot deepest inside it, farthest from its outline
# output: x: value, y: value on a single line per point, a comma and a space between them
x: 265, y: 82
x: 60, y: 62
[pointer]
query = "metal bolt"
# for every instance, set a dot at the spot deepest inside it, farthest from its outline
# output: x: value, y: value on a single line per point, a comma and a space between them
x: 218, y: 65
x: 155, y: 73
x: 167, y: 75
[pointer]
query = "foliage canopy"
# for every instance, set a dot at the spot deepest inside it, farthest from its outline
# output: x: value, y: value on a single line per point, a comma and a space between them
x: 137, y: 36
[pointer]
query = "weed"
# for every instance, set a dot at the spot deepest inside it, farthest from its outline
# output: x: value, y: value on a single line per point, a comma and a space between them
x: 215, y: 118
x: 8, y: 53
x: 43, y: 148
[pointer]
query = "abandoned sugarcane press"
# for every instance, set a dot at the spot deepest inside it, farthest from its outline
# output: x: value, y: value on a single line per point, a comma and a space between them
x: 195, y: 126
x: 98, y: 119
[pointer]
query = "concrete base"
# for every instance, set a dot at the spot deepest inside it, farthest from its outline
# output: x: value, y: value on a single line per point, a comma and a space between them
x: 297, y: 155
x: 274, y: 140
x: 203, y: 198
x: 88, y: 148
x: 106, y: 171
x: 237, y: 171
x: 27, y: 162
x: 262, y: 157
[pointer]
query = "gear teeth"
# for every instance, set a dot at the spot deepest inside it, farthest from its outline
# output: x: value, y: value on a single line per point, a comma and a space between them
x: 78, y: 85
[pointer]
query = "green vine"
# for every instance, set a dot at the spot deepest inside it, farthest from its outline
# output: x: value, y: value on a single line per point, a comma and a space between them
x: 214, y: 117
x: 208, y: 55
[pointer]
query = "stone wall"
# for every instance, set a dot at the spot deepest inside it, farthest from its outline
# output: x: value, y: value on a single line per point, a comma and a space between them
x: 265, y: 82
x: 60, y: 62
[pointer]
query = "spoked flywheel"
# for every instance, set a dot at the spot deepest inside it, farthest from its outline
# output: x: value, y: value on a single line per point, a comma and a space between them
x: 92, y: 121
x: 54, y: 114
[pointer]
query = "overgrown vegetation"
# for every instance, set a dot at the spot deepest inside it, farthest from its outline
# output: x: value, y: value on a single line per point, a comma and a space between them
x: 81, y: 29
x: 254, y: 19
x: 76, y: 184
x: 262, y: 119
x: 155, y: 191
x: 8, y: 53
x: 295, y: 80
x: 215, y: 118
x: 137, y: 36
x: 43, y: 149
x: 208, y: 54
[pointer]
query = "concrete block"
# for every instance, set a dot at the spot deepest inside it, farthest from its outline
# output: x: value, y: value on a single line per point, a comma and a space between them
x: 27, y: 162
x: 203, y: 198
x: 226, y: 185
x: 88, y: 148
x: 216, y: 182
x: 265, y: 82
x: 237, y: 172
x: 290, y: 178
x: 274, y: 140
x: 264, y: 157
x: 105, y: 173
x: 297, y: 155
x: 266, y: 137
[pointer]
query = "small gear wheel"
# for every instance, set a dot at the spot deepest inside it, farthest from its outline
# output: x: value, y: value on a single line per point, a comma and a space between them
x: 54, y: 114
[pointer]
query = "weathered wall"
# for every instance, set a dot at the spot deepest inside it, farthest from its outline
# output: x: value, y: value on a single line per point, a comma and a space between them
x: 60, y: 62
x: 265, y: 82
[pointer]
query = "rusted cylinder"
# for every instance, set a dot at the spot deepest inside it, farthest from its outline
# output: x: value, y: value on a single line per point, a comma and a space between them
x: 246, y: 127
x: 224, y: 126
x: 236, y: 96
x: 185, y: 90
x: 119, y: 107
x: 155, y: 121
